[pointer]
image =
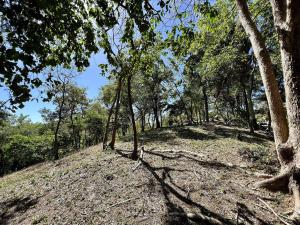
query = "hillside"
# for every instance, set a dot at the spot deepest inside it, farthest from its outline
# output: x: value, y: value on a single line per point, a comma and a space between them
x: 171, y: 186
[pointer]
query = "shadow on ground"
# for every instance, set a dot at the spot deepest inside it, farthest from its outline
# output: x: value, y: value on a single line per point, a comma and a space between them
x: 177, y: 198
x: 215, y: 132
x: 10, y: 208
x: 175, y: 213
x: 242, y: 135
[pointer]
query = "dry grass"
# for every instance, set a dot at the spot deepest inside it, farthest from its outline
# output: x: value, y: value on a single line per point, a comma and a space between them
x: 94, y: 187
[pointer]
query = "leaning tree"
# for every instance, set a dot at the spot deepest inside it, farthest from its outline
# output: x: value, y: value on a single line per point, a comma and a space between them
x: 286, y: 14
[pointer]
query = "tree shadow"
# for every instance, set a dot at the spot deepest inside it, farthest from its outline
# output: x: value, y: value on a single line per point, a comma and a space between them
x: 246, y: 215
x: 241, y: 135
x: 187, y: 133
x: 176, y: 215
x: 214, y: 164
x: 9, y: 208
x: 172, y: 192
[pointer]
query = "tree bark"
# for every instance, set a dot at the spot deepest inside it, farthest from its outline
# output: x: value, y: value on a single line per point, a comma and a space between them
x: 55, y: 144
x: 277, y: 111
x: 115, y: 126
x: 105, y: 137
x: 155, y: 112
x: 287, y: 22
x: 192, y: 113
x: 286, y: 15
x: 250, y: 102
x: 143, y: 120
x: 134, y: 154
x: 205, y: 104
x: 248, y: 111
x: 161, y: 118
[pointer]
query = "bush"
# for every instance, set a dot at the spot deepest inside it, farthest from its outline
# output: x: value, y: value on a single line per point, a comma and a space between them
x: 21, y: 151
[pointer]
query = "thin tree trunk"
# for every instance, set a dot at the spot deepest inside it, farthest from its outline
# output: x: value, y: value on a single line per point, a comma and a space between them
x: 143, y: 120
x: 73, y: 131
x: 105, y: 138
x: 191, y: 110
x: 55, y: 145
x: 200, y: 117
x: 205, y: 104
x: 155, y: 112
x: 161, y: 118
x: 134, y: 154
x: 269, y: 121
x: 247, y: 110
x: 250, y: 102
x: 115, y: 126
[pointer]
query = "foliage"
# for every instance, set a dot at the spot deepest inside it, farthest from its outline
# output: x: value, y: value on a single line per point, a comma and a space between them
x: 21, y: 151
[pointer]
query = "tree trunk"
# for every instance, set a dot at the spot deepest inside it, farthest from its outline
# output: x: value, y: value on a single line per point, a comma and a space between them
x: 115, y: 126
x: 105, y: 137
x: 269, y: 121
x: 205, y: 104
x: 134, y: 154
x: 287, y: 138
x: 250, y: 102
x: 200, y: 117
x: 73, y: 130
x: 248, y: 110
x: 192, y: 113
x: 287, y: 23
x: 161, y: 118
x: 143, y: 120
x: 55, y: 144
x: 278, y: 117
x: 155, y: 112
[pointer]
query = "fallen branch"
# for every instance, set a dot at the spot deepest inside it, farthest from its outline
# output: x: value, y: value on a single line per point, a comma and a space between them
x: 197, y: 175
x: 122, y: 202
x: 180, y: 152
x: 272, y: 210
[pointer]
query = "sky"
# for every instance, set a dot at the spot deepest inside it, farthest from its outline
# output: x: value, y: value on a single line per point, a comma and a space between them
x: 91, y: 79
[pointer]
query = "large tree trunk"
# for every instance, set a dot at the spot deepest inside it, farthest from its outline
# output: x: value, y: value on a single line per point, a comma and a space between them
x: 287, y: 21
x: 134, y: 154
x: 277, y: 111
x: 115, y: 126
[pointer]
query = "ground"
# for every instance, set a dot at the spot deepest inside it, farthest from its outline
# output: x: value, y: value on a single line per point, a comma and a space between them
x: 170, y: 186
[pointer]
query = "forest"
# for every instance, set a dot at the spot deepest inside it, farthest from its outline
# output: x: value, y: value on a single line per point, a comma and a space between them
x: 197, y: 122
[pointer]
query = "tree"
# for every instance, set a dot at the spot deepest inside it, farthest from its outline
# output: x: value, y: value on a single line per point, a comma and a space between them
x: 286, y: 132
x: 42, y: 34
x: 70, y: 102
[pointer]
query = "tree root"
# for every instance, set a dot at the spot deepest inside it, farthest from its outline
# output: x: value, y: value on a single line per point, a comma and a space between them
x: 277, y: 183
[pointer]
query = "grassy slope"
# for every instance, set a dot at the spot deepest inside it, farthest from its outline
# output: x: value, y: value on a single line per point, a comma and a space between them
x: 93, y: 187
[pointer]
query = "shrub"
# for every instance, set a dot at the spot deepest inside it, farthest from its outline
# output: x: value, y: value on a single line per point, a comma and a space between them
x: 21, y: 151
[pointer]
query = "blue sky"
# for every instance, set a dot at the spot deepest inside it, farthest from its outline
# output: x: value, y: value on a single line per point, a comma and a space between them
x: 91, y: 79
